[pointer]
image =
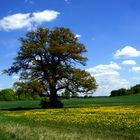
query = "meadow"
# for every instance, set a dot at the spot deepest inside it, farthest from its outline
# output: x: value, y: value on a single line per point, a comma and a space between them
x: 102, y: 118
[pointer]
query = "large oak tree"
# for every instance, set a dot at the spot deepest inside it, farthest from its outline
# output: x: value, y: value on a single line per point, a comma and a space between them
x: 51, y: 57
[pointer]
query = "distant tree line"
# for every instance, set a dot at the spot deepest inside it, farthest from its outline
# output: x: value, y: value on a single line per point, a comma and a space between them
x: 23, y: 90
x: 121, y: 92
x: 11, y: 95
x: 8, y: 95
x: 32, y: 90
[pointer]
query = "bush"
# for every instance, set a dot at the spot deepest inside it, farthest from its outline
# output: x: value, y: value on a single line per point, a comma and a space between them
x: 36, y: 97
x: 85, y: 96
x: 2, y: 98
x: 7, y: 95
x: 45, y: 103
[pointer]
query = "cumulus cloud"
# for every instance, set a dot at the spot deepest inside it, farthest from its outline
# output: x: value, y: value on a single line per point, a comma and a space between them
x: 126, y: 52
x: 27, y: 20
x: 44, y: 16
x: 129, y: 62
x: 112, y: 67
x: 15, y: 21
x: 135, y: 69
x: 108, y: 78
x: 78, y: 36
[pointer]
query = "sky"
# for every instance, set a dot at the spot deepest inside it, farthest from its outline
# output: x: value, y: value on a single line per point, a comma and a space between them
x: 110, y: 30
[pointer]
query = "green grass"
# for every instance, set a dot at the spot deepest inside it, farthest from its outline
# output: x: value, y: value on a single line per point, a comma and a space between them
x: 19, y: 121
x: 121, y: 100
x: 30, y: 130
x: 19, y: 104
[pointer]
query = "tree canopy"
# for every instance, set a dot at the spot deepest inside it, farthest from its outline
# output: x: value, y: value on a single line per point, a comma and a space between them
x: 51, y: 57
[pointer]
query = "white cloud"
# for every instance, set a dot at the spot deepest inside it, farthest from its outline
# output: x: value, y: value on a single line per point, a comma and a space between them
x: 129, y: 62
x: 28, y: 20
x: 44, y: 16
x: 16, y: 21
x: 126, y: 52
x: 108, y: 78
x: 78, y: 35
x: 135, y: 69
x: 112, y: 67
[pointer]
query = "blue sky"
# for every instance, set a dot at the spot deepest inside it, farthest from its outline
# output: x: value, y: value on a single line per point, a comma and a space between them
x: 110, y: 30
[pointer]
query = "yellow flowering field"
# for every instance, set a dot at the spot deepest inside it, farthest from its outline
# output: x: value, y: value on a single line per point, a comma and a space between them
x: 118, y: 117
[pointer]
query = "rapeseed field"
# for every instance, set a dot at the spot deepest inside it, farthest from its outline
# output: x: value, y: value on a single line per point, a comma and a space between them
x: 80, y: 121
x: 118, y: 117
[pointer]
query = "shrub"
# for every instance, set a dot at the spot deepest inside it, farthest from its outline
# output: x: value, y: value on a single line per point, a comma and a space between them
x: 45, y: 103
x: 36, y: 97
x: 85, y: 96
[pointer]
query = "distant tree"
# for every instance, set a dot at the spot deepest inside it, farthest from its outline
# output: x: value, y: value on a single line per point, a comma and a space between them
x: 135, y: 89
x: 28, y: 87
x: 119, y: 92
x: 129, y: 91
x: 7, y: 95
x: 51, y: 57
x: 114, y: 93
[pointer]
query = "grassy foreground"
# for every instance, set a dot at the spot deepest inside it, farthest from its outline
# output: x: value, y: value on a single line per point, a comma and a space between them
x: 81, y: 119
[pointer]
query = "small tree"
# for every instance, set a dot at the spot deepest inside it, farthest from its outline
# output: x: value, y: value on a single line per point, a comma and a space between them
x: 51, y: 57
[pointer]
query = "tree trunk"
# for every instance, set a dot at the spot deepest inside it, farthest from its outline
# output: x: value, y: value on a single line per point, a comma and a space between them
x: 54, y: 102
x: 53, y: 94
